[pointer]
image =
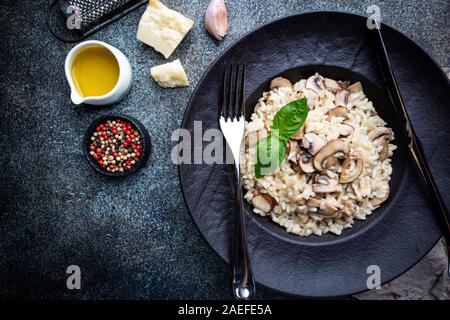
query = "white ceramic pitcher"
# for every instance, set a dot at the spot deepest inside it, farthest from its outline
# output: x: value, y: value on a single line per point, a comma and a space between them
x: 123, y: 83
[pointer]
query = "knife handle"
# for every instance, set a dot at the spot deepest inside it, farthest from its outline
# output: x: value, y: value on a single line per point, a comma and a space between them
x: 442, y: 213
x: 431, y: 185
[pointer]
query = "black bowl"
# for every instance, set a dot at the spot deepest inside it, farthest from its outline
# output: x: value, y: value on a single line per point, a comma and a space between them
x: 146, y: 144
x: 383, y: 107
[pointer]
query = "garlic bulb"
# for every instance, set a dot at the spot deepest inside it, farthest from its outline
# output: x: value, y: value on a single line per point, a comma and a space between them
x: 216, y: 20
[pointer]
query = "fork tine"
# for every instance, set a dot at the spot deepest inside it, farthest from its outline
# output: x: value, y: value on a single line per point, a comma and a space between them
x: 223, y: 109
x: 233, y: 94
x: 242, y: 91
x: 235, y: 106
x: 230, y: 94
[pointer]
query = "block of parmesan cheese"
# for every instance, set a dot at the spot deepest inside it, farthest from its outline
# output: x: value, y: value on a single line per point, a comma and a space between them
x: 163, y: 28
x: 170, y: 75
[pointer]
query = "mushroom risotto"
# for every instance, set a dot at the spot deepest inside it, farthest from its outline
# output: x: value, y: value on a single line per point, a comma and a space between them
x: 337, y: 165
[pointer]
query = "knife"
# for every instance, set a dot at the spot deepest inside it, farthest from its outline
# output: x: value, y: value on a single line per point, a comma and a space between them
x: 414, y: 144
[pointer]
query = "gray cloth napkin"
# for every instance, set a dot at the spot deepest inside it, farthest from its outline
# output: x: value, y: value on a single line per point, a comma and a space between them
x: 427, y: 280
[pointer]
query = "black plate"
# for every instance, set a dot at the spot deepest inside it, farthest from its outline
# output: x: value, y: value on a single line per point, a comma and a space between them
x: 395, y: 236
x: 146, y: 144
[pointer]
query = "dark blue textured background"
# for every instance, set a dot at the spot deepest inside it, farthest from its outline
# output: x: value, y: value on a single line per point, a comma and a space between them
x: 132, y: 238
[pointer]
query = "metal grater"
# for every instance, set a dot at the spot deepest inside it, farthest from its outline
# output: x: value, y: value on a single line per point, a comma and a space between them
x: 92, y: 16
x: 92, y: 11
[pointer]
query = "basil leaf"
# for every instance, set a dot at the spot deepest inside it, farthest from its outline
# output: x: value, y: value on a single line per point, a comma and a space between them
x: 290, y: 118
x: 270, y: 153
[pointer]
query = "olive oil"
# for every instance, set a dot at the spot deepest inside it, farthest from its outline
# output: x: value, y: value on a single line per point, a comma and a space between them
x: 95, y: 71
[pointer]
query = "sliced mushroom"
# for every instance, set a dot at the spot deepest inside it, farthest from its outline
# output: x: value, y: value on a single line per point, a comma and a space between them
x: 331, y: 85
x: 344, y: 84
x: 322, y: 179
x: 377, y: 201
x: 342, y: 98
x: 346, y: 129
x: 380, y: 132
x: 313, y: 143
x: 303, y: 218
x: 338, y: 112
x: 280, y: 82
x: 348, y: 209
x: 331, y: 162
x: 293, y: 151
x: 328, y: 210
x: 356, y: 87
x: 296, y: 167
x: 326, y: 185
x: 262, y: 185
x: 331, y: 149
x: 348, y: 176
x: 315, y: 83
x: 305, y: 162
x: 349, y: 189
x: 263, y: 202
x: 380, y: 137
x: 350, y: 192
x: 340, y: 221
x: 299, y: 85
x: 313, y: 202
x: 310, y: 95
x: 384, y: 151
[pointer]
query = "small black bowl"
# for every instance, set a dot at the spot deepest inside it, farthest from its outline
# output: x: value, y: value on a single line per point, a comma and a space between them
x: 146, y: 144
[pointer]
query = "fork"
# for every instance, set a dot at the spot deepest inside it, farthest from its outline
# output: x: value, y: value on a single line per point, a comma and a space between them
x: 232, y: 122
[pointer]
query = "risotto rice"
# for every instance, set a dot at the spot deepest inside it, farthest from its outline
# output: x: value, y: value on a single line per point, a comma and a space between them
x: 338, y: 164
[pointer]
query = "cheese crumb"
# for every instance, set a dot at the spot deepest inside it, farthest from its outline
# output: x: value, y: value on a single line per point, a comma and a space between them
x: 163, y: 28
x: 170, y: 75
